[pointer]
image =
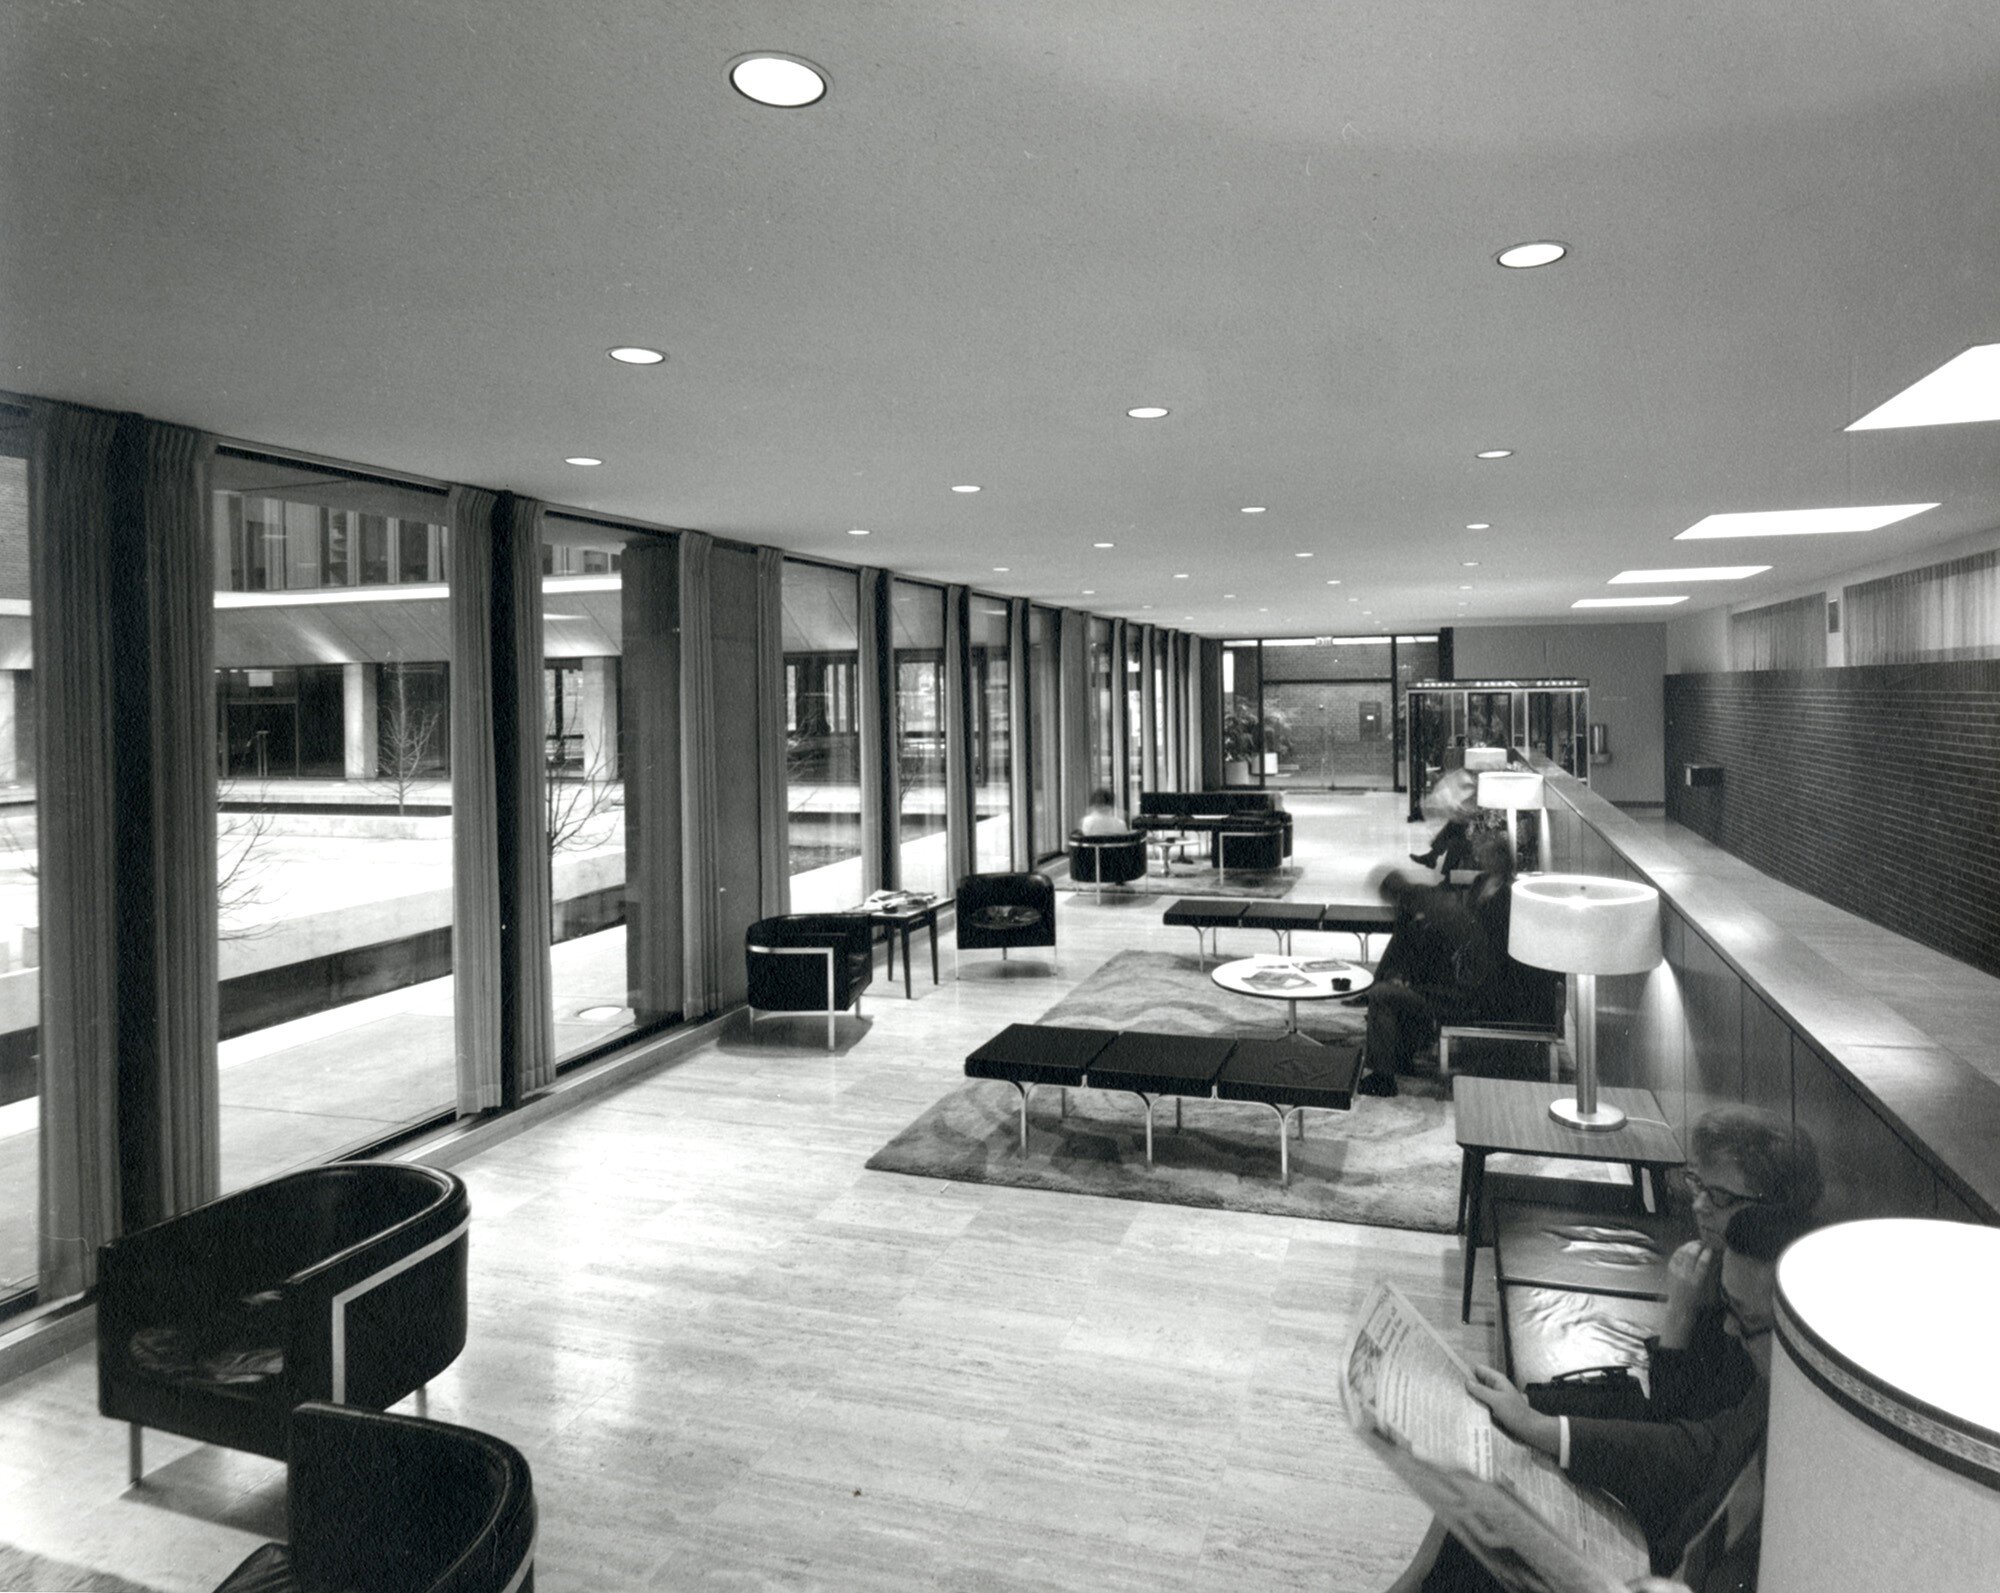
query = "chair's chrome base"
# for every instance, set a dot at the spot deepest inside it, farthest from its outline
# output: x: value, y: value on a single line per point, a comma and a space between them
x: 135, y: 1454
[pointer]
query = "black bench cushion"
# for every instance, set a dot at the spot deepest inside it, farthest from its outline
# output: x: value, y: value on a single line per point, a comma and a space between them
x: 1550, y: 1331
x: 1038, y: 1053
x: 1560, y: 1247
x: 1281, y: 915
x: 1205, y: 912
x: 1355, y: 918
x: 1290, y: 1072
x: 1160, y: 1064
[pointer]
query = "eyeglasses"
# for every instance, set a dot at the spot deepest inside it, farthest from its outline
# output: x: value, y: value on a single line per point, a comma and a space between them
x: 1721, y: 1199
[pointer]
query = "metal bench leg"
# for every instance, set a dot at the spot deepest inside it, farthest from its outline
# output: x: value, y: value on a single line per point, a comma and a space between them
x: 1024, y: 1091
x: 135, y: 1454
x: 1065, y: 1103
x: 1555, y: 1063
x: 423, y: 1399
x: 1444, y: 1055
x: 1177, y: 1114
x: 1149, y: 1127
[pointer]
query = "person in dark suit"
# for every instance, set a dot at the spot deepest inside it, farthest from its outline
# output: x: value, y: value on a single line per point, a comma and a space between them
x: 1446, y: 962
x: 1674, y: 1470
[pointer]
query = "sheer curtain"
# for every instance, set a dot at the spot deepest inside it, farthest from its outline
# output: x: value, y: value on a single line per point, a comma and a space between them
x: 1788, y: 635
x: 520, y: 761
x: 959, y: 816
x: 1020, y: 705
x: 872, y: 709
x: 1944, y: 611
x: 475, y: 800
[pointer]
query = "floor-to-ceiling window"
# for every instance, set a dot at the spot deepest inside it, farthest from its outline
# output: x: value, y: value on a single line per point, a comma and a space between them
x: 333, y: 761
x: 1103, y: 755
x: 1248, y: 742
x: 20, y: 951
x: 1161, y: 776
x: 917, y: 632
x: 605, y: 625
x: 822, y: 736
x: 991, y: 671
x: 1135, y: 713
x: 1045, y: 729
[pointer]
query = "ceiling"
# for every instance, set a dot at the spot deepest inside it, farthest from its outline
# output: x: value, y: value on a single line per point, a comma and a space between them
x: 406, y: 236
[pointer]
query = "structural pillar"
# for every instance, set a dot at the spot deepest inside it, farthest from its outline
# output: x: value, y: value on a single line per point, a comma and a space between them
x: 359, y: 721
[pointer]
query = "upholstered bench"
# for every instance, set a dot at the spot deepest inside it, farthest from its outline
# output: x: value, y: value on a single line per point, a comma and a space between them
x: 1152, y: 1065
x: 1578, y: 1288
x: 1281, y: 918
x: 1290, y: 1075
x: 1030, y: 1056
x: 1203, y: 914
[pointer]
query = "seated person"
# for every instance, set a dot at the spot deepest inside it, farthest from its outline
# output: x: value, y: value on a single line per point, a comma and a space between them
x: 1676, y: 1468
x: 1103, y: 817
x: 1446, y: 962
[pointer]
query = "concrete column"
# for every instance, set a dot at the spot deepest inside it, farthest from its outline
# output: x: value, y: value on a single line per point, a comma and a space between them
x: 10, y: 696
x: 597, y: 717
x: 361, y: 721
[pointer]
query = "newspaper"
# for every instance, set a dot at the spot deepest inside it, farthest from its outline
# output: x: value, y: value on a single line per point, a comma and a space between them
x: 1534, y: 1529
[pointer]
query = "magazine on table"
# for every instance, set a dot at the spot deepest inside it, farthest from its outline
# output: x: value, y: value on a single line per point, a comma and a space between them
x: 1277, y: 979
x: 1403, y: 1388
x: 897, y: 902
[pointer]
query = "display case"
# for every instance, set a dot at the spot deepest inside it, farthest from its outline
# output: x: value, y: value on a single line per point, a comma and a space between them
x: 1447, y: 717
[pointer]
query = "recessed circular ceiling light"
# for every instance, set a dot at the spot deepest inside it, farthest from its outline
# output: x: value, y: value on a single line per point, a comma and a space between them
x: 1253, y: 508
x: 582, y: 459
x: 1525, y: 256
x: 1469, y: 564
x: 788, y: 82
x: 1180, y: 575
x: 1148, y: 412
x: 1145, y: 605
x: 1366, y: 612
x: 1494, y: 453
x: 1301, y: 555
x: 856, y: 531
x: 1090, y: 591
x: 1354, y: 600
x: 1333, y: 583
x: 1104, y: 544
x: 1263, y: 611
x: 968, y: 487
x: 1465, y: 589
x: 1480, y: 525
x: 632, y: 354
x: 999, y: 569
x: 1228, y: 594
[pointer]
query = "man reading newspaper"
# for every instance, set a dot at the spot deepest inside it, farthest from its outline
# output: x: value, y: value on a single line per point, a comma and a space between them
x: 1691, y: 1485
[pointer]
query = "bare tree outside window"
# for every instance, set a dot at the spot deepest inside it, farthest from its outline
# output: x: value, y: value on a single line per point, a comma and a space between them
x: 406, y: 745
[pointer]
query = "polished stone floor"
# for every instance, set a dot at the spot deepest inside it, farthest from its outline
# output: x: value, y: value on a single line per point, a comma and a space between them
x: 737, y: 1359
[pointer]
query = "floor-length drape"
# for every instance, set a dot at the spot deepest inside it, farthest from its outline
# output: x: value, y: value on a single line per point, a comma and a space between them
x: 1149, y: 711
x: 873, y: 705
x: 179, y: 587
x: 773, y: 820
x: 700, y: 918
x: 70, y: 578
x: 1188, y: 706
x: 1124, y: 797
x: 1020, y: 774
x: 1076, y: 778
x: 1176, y: 777
x: 649, y: 610
x: 520, y: 758
x: 960, y: 819
x: 475, y: 805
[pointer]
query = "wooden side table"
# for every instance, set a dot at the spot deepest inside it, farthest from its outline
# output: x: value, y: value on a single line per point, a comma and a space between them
x: 900, y: 924
x: 1513, y: 1115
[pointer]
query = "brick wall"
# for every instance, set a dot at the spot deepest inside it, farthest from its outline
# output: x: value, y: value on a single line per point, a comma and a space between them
x: 1875, y: 788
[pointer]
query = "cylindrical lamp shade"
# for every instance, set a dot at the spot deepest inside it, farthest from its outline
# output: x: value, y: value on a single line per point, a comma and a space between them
x: 1576, y: 923
x: 1883, y: 1463
x: 1512, y: 789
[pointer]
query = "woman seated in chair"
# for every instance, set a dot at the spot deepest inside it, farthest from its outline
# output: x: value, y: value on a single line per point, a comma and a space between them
x: 1446, y: 962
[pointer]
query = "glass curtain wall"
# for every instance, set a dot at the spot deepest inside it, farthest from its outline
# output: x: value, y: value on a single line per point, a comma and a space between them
x: 822, y: 736
x: 589, y: 696
x: 917, y: 632
x: 1045, y: 729
x: 1135, y: 715
x: 20, y: 908
x: 989, y: 669
x: 1243, y: 729
x: 1161, y: 776
x: 1103, y: 756
x: 333, y: 762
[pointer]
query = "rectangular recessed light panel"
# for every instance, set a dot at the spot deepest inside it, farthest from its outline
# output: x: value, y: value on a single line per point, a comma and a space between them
x: 1802, y: 522
x: 1627, y: 602
x: 1711, y: 572
x: 1962, y: 389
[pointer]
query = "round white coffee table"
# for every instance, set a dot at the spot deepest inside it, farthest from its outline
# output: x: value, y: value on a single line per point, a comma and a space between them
x: 1292, y: 980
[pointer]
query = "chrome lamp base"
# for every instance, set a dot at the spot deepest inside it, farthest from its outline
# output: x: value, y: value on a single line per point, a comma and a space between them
x: 1571, y: 1114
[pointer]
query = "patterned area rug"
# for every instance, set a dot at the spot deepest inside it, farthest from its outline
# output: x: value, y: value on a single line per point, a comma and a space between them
x: 1388, y: 1163
x: 22, y: 1572
x: 1263, y: 883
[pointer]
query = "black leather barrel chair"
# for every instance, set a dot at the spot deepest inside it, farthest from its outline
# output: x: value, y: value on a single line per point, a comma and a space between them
x: 1250, y: 840
x: 396, y: 1504
x: 1102, y: 860
x: 1005, y: 912
x: 343, y: 1283
x: 809, y: 962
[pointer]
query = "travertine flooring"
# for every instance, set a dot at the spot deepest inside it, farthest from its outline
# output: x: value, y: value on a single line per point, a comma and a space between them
x: 736, y: 1359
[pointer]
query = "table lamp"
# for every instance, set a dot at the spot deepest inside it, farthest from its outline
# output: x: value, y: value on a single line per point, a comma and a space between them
x: 1882, y: 1469
x: 1582, y: 926
x: 1513, y: 790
